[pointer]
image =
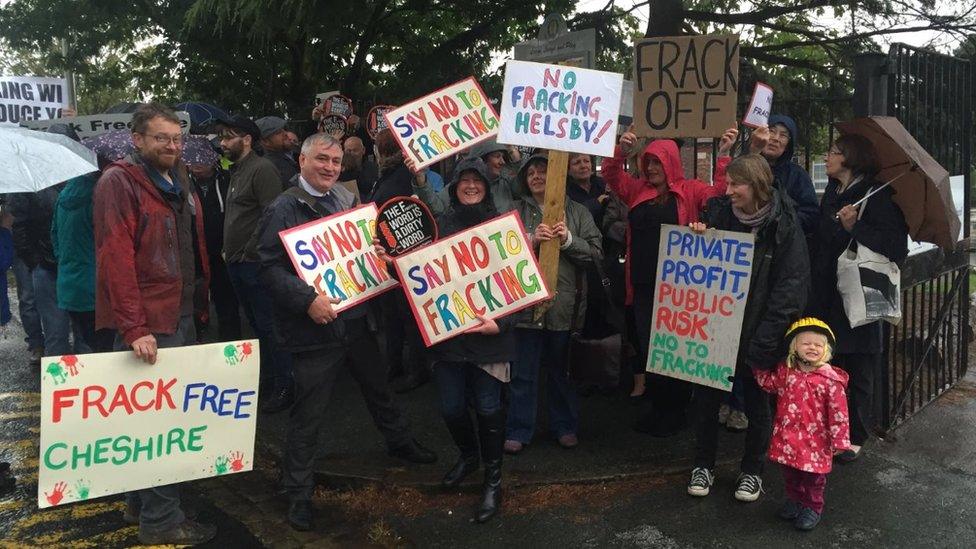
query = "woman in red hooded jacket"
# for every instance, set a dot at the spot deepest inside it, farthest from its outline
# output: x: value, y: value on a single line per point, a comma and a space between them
x: 662, y: 195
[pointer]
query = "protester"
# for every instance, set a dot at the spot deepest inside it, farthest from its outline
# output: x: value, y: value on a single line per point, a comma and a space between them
x: 356, y: 167
x: 878, y: 224
x: 585, y: 187
x: 73, y: 239
x: 32, y: 242
x: 546, y: 340
x: 30, y: 319
x: 811, y: 424
x: 212, y: 184
x: 148, y: 244
x: 404, y: 346
x: 6, y: 260
x: 777, y: 144
x: 276, y: 144
x: 660, y: 195
x: 502, y: 162
x: 254, y: 183
x: 474, y: 366
x: 778, y: 286
x: 319, y: 339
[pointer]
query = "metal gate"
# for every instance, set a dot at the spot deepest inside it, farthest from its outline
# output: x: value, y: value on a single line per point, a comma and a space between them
x: 932, y: 95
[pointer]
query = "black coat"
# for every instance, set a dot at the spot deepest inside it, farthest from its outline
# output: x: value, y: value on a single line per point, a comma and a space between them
x: 779, y: 284
x: 475, y: 348
x: 33, y: 213
x: 881, y: 228
x: 294, y: 329
x: 393, y: 182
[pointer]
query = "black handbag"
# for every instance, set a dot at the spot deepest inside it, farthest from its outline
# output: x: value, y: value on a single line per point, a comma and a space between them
x: 594, y: 358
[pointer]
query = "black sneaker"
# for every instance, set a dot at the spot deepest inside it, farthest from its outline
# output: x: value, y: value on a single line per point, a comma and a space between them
x: 185, y: 533
x: 807, y: 519
x: 701, y: 482
x: 748, y: 487
x: 789, y: 511
x: 413, y: 452
x: 300, y: 515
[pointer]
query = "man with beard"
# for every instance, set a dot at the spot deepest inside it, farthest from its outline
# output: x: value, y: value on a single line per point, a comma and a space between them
x: 151, y: 276
x: 355, y: 166
x: 320, y: 339
x: 254, y: 183
x: 277, y: 146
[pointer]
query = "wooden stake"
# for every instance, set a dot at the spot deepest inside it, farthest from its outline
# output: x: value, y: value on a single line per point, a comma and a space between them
x: 553, y: 211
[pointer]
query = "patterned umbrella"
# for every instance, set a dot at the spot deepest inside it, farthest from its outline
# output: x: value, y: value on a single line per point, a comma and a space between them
x: 117, y: 144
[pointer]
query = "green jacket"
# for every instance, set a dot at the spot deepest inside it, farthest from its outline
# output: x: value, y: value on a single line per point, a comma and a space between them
x: 584, y: 248
x: 73, y: 240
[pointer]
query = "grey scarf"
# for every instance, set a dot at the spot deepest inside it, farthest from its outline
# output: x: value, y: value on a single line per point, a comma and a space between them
x: 753, y: 220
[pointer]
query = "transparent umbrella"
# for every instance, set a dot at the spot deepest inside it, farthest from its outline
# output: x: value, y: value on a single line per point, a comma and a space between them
x: 31, y: 161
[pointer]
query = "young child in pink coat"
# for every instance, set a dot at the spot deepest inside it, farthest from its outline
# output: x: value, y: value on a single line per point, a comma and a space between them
x: 811, y: 423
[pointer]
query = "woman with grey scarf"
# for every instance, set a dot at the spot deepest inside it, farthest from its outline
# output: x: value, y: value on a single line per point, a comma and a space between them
x: 780, y: 280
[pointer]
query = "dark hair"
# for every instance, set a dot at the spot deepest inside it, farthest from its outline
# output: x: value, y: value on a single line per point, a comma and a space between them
x: 386, y: 143
x: 859, y: 154
x: 753, y: 170
x: 148, y: 111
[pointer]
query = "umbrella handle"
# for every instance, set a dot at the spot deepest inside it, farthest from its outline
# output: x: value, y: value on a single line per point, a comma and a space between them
x: 870, y: 194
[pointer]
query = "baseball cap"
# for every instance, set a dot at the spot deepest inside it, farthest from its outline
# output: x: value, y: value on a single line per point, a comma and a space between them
x: 270, y: 125
x: 243, y: 124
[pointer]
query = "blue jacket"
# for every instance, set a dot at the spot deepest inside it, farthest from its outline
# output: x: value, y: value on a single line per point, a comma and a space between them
x: 6, y: 260
x: 791, y: 178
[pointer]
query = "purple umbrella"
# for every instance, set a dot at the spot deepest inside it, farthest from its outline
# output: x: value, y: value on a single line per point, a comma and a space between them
x: 117, y: 144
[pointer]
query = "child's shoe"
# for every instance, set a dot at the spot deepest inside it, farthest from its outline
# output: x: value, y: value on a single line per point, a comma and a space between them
x: 789, y: 511
x: 748, y: 487
x: 807, y: 520
x: 701, y: 481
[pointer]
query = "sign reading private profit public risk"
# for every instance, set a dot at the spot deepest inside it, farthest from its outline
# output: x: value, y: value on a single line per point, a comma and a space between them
x: 111, y: 423
x: 699, y: 301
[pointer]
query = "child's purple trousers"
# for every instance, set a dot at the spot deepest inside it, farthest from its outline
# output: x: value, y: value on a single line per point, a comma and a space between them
x: 805, y: 488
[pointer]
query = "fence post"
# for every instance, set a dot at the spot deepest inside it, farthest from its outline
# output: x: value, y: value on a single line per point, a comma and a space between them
x: 870, y: 85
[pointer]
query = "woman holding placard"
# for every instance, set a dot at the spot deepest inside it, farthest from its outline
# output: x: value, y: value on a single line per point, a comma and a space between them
x: 778, y: 289
x: 475, y: 364
x: 546, y: 340
x: 878, y: 224
x: 661, y: 195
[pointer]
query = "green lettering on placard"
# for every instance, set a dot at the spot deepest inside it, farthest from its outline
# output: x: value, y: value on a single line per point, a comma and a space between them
x: 193, y: 439
x: 47, y: 456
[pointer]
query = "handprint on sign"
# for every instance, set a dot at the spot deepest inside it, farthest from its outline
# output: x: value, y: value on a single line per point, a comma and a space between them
x: 71, y: 362
x: 237, y: 461
x: 57, y: 494
x: 56, y: 372
x: 230, y: 354
x: 82, y: 488
x: 246, y: 349
x: 220, y: 466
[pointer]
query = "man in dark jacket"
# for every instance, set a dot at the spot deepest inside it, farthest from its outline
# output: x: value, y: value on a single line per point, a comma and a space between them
x: 788, y: 176
x: 356, y: 167
x: 319, y: 339
x: 277, y: 147
x: 254, y: 183
x: 151, y: 276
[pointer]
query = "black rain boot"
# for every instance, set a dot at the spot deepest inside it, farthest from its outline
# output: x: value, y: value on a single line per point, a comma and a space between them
x: 462, y: 431
x: 491, y: 432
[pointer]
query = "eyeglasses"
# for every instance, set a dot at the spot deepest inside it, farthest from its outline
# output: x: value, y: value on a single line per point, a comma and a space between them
x: 782, y: 135
x: 163, y: 139
x: 227, y: 136
x: 834, y: 152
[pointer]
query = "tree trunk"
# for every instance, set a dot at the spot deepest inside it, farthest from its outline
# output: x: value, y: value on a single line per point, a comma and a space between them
x: 666, y: 18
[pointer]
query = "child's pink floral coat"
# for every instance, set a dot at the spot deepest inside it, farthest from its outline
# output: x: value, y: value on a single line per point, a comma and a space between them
x: 811, y: 416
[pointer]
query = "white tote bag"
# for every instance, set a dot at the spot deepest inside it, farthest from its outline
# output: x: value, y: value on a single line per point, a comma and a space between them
x: 869, y: 284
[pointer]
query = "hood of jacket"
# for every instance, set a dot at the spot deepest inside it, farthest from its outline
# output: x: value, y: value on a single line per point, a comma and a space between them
x: 523, y: 173
x: 469, y: 164
x: 790, y: 126
x: 487, y: 146
x: 666, y: 151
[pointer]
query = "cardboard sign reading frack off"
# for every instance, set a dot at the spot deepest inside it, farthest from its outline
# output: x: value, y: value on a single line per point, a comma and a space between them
x: 488, y: 270
x: 111, y: 423
x: 560, y: 108
x: 443, y: 123
x: 404, y: 223
x: 686, y: 86
x: 335, y: 256
x: 699, y: 301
